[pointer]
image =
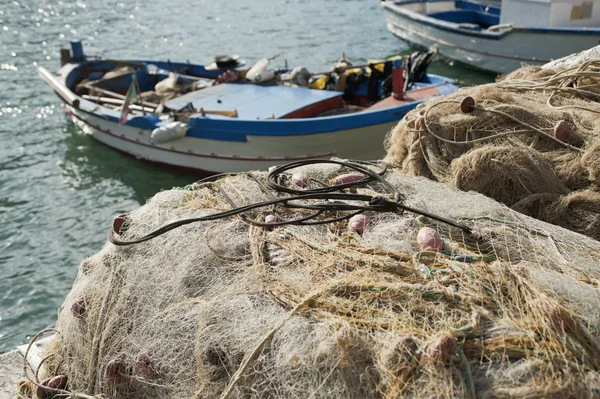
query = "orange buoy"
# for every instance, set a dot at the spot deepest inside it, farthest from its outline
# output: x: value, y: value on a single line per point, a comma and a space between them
x: 42, y: 393
x: 58, y: 382
x: 119, y: 223
x: 301, y: 179
x: 270, y: 218
x: 78, y: 308
x: 358, y: 223
x: 145, y: 365
x: 561, y: 130
x: 556, y: 317
x: 347, y: 178
x: 117, y: 371
x: 442, y: 350
x: 428, y: 239
x: 467, y: 104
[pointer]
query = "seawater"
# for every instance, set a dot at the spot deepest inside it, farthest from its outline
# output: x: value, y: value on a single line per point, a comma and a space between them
x: 59, y: 189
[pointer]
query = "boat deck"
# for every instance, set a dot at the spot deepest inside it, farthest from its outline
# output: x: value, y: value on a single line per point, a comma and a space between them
x: 256, y: 101
x: 409, y: 96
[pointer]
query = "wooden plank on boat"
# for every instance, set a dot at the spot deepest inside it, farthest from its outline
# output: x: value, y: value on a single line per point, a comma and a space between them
x: 118, y: 102
x: 58, y: 87
x: 231, y: 114
x: 116, y: 95
x: 124, y: 62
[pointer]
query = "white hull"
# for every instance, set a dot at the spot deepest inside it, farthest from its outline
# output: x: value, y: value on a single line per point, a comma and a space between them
x: 502, y: 51
x: 258, y: 153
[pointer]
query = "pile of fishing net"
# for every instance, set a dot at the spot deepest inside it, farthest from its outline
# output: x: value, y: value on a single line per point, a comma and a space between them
x: 424, y: 292
x: 530, y: 140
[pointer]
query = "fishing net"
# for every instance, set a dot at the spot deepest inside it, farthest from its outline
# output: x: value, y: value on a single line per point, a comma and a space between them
x: 529, y: 140
x: 505, y: 306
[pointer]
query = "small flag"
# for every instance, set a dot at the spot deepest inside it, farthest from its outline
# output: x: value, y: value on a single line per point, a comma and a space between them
x: 161, y: 107
x: 130, y: 97
x: 189, y: 107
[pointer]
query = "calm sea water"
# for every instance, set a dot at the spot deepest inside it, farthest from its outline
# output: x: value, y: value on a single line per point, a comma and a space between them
x: 59, y: 190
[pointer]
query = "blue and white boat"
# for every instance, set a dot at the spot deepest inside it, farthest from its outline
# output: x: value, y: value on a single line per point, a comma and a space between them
x: 235, y: 126
x: 493, y: 37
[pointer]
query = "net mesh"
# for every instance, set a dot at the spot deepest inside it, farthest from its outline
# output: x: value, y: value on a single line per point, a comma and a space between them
x: 530, y: 142
x: 224, y: 309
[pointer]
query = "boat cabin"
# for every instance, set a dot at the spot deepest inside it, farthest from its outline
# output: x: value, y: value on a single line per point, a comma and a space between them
x: 475, y: 15
x: 551, y: 13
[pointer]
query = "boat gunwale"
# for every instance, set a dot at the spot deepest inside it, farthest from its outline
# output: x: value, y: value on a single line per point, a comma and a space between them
x: 227, y: 129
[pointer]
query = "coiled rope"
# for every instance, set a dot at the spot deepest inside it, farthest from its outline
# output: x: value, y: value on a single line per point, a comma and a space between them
x: 324, y: 201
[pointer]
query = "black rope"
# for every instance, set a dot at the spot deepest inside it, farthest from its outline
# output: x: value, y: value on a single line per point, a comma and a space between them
x: 329, y: 199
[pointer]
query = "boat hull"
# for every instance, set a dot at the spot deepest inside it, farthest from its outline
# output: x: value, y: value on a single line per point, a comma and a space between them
x: 212, y: 156
x: 213, y: 142
x: 500, y: 51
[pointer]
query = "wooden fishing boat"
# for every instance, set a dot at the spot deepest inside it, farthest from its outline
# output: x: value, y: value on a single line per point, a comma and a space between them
x: 213, y: 119
x: 493, y: 37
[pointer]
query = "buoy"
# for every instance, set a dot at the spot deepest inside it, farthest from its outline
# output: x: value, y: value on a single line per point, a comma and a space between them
x: 255, y: 73
x: 42, y: 393
x: 270, y: 218
x: 467, y: 104
x: 397, y: 79
x: 119, y: 223
x: 58, y: 382
x: 169, y: 132
x: 263, y: 76
x: 560, y: 130
x: 301, y: 179
x: 553, y: 315
x: 78, y: 308
x: 358, y: 223
x: 347, y: 178
x: 215, y: 356
x: 428, y: 239
x: 145, y: 365
x: 442, y: 350
x: 117, y: 371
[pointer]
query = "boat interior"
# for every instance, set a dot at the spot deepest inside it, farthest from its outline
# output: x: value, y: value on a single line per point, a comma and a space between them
x: 181, y: 90
x: 467, y: 14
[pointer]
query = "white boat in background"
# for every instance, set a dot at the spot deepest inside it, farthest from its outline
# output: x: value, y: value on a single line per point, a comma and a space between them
x: 497, y: 38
